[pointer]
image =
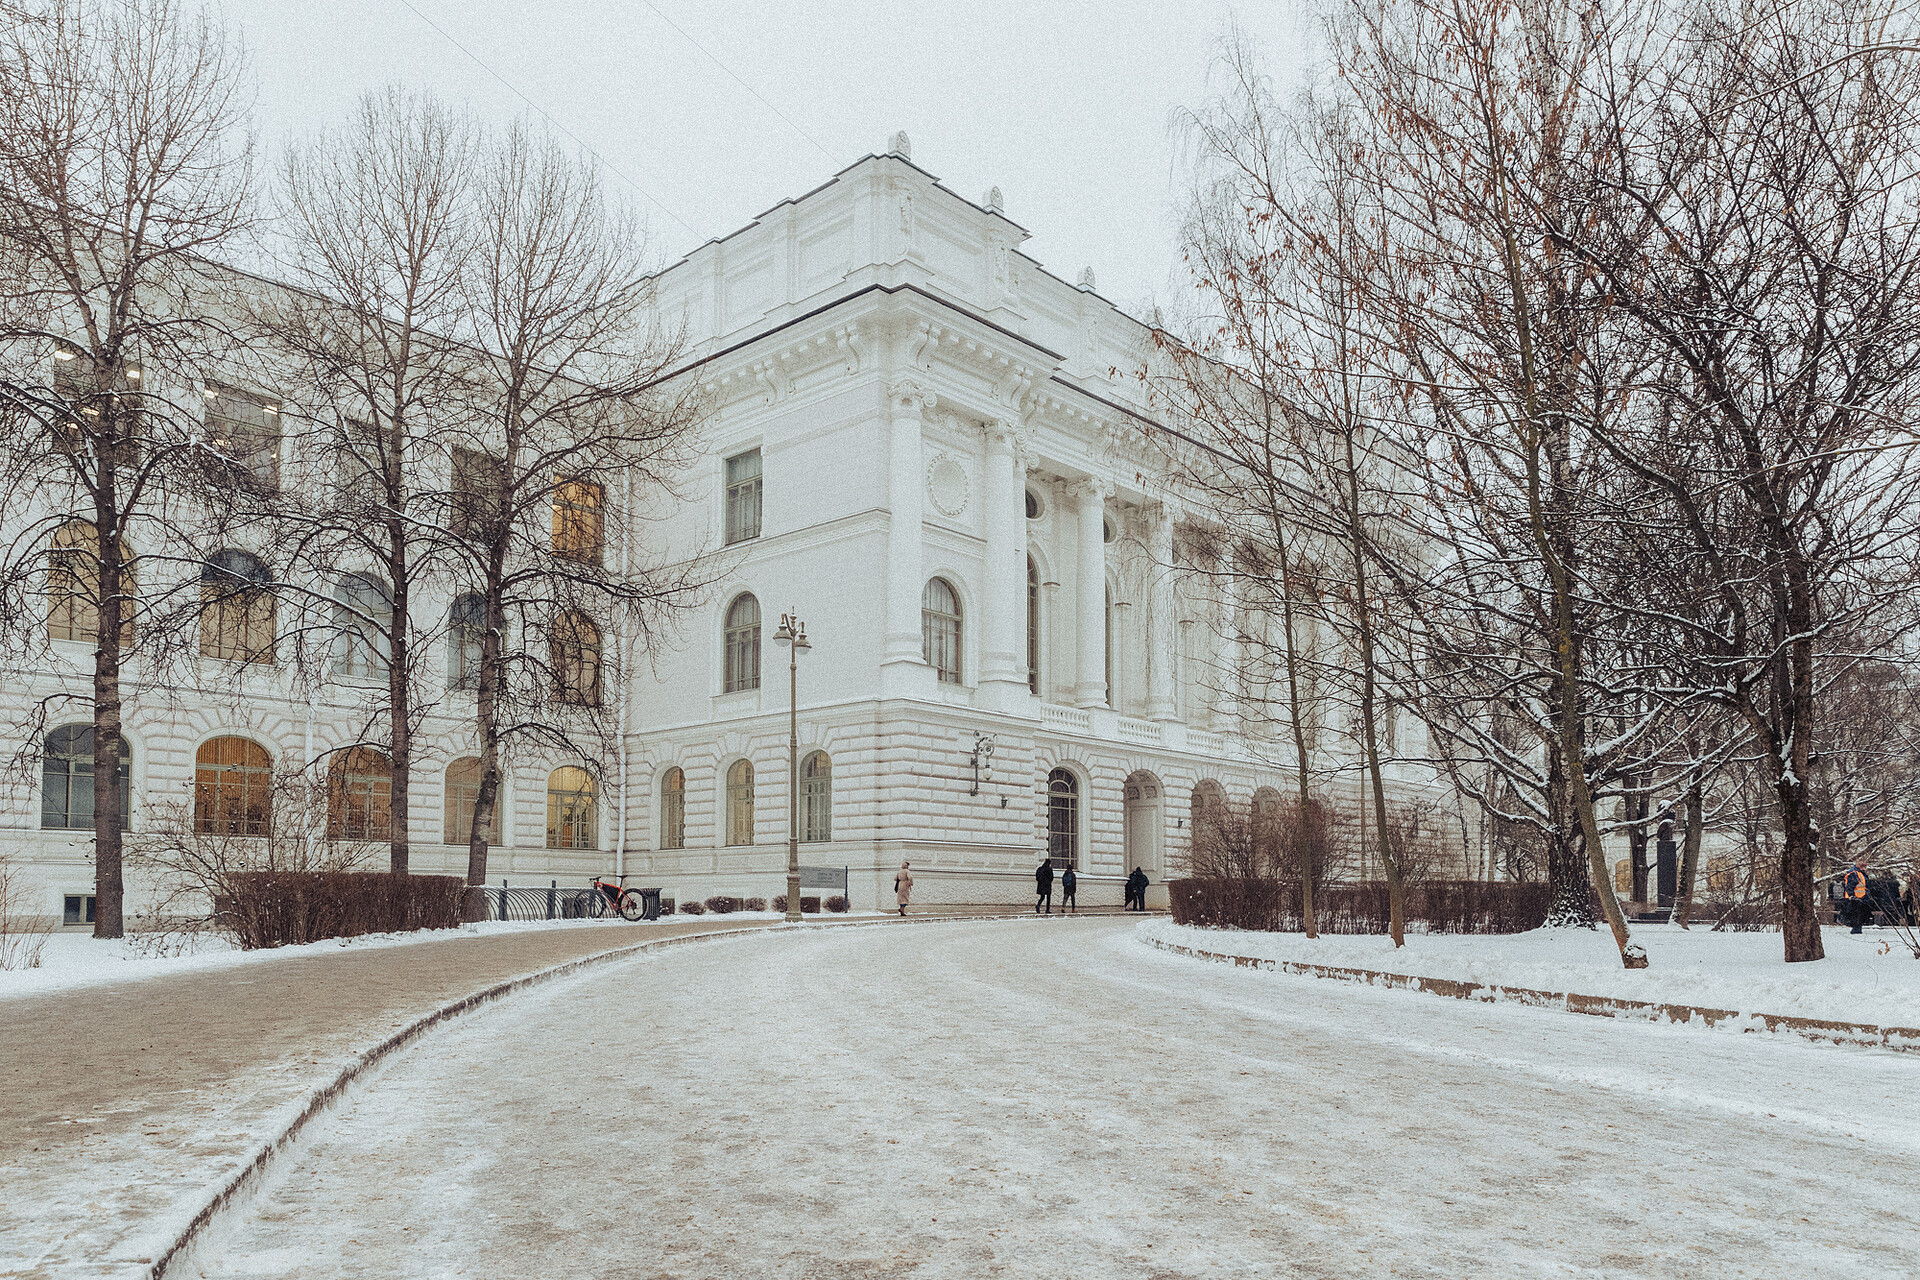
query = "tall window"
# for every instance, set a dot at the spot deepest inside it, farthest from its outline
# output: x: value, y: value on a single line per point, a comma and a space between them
x: 940, y: 629
x: 232, y: 788
x: 579, y: 528
x: 364, y: 617
x: 462, y: 799
x: 1063, y: 818
x: 740, y: 802
x: 66, y: 779
x: 816, y: 797
x: 743, y: 496
x: 245, y: 431
x: 574, y: 650
x: 478, y: 501
x: 237, y: 617
x: 673, y: 809
x: 361, y: 478
x: 73, y: 586
x: 466, y: 634
x: 571, y: 820
x: 742, y: 657
x: 1033, y: 624
x: 360, y: 795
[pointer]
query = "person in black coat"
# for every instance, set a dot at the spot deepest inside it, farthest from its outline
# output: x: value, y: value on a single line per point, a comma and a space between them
x: 1043, y: 886
x: 1137, y: 890
x: 1068, y: 883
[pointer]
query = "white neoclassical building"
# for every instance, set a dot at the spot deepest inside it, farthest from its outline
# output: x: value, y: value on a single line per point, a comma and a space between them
x: 934, y: 452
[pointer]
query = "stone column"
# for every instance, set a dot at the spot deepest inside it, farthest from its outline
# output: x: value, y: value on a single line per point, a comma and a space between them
x: 907, y: 403
x: 1003, y: 641
x: 1163, y: 637
x: 1091, y: 689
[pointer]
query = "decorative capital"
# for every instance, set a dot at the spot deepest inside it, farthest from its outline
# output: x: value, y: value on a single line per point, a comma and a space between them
x: 907, y: 396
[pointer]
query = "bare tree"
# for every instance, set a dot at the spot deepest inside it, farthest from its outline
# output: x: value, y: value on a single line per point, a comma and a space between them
x: 1770, y: 163
x: 379, y: 234
x: 121, y: 164
x: 570, y: 430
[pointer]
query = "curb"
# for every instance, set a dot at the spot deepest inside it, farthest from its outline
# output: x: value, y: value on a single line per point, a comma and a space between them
x: 1820, y: 1030
x: 180, y: 1247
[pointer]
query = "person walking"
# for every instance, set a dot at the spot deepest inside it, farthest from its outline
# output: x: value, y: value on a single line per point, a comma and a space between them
x: 1853, y: 897
x: 1068, y: 883
x: 903, y: 886
x: 1137, y: 890
x: 1043, y: 886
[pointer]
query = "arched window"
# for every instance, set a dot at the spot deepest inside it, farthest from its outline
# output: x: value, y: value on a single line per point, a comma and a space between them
x: 232, y: 788
x: 940, y: 629
x: 466, y: 633
x: 1033, y: 625
x: 673, y: 809
x: 816, y: 797
x: 360, y: 795
x: 463, y: 798
x: 574, y: 651
x: 740, y: 802
x: 237, y: 617
x: 364, y: 618
x: 571, y: 820
x: 66, y: 779
x: 73, y: 586
x: 1063, y: 818
x: 742, y: 645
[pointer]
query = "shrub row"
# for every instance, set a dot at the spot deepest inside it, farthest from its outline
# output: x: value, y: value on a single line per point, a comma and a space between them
x: 283, y: 908
x: 1434, y: 906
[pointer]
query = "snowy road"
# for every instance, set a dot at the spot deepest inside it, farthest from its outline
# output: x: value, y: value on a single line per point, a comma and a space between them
x: 1051, y: 1099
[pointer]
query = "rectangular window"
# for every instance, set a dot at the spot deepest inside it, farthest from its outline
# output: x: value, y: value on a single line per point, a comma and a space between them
x: 361, y: 474
x: 245, y: 431
x: 110, y: 416
x: 743, y: 496
x: 579, y: 530
x: 77, y: 908
x: 478, y: 504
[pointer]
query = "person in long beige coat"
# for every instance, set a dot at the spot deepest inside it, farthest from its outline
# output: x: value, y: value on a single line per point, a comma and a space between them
x: 903, y: 886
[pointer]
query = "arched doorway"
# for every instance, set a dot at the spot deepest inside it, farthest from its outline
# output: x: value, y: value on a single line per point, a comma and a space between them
x: 1145, y: 822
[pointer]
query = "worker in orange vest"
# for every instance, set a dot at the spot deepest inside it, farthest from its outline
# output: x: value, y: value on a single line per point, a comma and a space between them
x: 1853, y: 896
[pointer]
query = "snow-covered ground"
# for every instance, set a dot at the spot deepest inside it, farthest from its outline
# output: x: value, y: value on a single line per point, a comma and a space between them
x: 1870, y: 978
x: 1053, y: 1099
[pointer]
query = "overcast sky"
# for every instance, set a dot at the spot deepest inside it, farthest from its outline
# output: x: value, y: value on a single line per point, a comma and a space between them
x: 1063, y: 105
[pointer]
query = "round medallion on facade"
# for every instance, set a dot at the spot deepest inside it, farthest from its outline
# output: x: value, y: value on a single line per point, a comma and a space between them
x: 947, y: 485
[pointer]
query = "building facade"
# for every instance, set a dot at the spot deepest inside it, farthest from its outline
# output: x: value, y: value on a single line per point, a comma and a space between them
x: 937, y: 456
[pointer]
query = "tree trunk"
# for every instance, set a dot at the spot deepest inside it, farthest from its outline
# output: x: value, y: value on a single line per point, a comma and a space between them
x: 399, y: 701
x: 486, y: 701
x: 109, y: 892
x: 1689, y: 855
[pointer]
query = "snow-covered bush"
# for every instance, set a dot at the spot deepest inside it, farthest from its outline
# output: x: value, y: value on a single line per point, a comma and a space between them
x: 835, y: 904
x: 723, y: 904
x: 692, y: 909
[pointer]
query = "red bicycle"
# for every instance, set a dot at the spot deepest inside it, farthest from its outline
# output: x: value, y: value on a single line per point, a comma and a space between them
x: 610, y: 896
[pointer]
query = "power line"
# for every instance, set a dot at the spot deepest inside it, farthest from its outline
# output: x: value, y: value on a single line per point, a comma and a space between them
x: 714, y: 58
x: 544, y: 115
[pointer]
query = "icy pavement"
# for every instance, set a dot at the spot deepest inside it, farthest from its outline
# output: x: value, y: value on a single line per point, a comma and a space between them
x: 1053, y: 1099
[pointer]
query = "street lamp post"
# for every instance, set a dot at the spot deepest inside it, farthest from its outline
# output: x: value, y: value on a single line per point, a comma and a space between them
x: 793, y: 634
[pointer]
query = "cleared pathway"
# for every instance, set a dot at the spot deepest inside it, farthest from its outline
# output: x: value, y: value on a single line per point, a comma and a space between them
x: 1049, y: 1099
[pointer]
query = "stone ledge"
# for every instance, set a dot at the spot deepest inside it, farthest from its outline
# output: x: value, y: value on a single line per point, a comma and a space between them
x: 1863, y: 1034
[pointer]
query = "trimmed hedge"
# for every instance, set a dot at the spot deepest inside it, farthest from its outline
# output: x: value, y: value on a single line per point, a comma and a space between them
x: 809, y: 906
x: 1434, y: 906
x: 284, y: 908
